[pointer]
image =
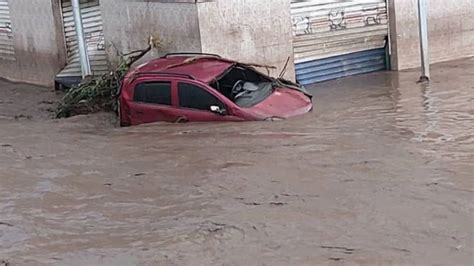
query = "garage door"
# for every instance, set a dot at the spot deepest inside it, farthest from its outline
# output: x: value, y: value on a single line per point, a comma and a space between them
x: 338, y: 38
x: 7, y: 50
x: 94, y: 36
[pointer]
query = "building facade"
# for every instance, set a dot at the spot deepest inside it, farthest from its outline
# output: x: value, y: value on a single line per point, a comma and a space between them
x: 322, y: 39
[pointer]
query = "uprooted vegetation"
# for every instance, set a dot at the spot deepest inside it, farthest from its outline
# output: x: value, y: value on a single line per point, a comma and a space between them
x: 100, y: 93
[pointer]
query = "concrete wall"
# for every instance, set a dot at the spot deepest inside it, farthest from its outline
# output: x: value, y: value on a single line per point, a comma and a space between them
x: 249, y: 31
x: 246, y: 30
x: 38, y: 41
x: 128, y: 24
x: 451, y: 31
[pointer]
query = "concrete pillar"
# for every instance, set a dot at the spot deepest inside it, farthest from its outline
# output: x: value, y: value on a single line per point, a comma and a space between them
x: 249, y: 31
x: 81, y: 43
x: 424, y: 45
x: 128, y: 24
x: 450, y: 27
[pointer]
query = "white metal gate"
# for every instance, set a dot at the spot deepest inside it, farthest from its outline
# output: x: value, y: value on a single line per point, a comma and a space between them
x: 7, y: 50
x: 336, y: 38
x: 94, y: 36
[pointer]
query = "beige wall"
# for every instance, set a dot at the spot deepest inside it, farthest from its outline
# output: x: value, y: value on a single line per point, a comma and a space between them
x: 128, y: 24
x: 38, y: 41
x: 246, y: 30
x: 249, y: 31
x: 261, y: 35
x: 451, y: 31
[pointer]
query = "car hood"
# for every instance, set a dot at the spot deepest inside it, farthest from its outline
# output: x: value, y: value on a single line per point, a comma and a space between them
x: 284, y: 103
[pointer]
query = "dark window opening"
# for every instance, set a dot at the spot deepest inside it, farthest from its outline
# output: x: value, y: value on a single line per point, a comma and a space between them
x: 153, y: 92
x: 194, y: 97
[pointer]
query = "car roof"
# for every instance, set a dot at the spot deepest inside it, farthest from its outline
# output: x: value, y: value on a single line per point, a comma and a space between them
x: 203, y: 68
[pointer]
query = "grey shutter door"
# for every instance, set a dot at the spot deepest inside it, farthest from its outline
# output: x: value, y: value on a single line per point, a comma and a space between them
x: 337, y: 38
x: 93, y: 32
x: 7, y: 50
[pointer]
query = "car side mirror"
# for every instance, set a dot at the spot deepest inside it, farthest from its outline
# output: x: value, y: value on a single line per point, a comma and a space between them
x: 217, y: 110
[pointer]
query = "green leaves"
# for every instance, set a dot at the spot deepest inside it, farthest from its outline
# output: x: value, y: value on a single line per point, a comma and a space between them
x: 96, y: 94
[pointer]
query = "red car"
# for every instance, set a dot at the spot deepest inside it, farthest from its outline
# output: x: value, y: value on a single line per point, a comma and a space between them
x: 199, y: 87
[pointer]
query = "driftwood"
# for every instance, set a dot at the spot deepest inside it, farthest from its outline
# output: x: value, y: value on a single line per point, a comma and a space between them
x: 197, y: 58
x: 101, y: 93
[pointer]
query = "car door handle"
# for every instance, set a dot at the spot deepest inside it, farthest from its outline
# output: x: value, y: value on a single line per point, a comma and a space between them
x: 139, y: 112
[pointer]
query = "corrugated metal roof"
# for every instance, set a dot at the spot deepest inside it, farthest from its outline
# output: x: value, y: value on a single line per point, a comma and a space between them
x: 7, y: 49
x: 341, y: 66
x: 326, y: 28
x: 338, y: 38
x: 93, y: 31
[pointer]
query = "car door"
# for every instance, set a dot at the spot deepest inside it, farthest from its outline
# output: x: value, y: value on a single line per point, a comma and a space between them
x: 152, y: 102
x: 198, y: 104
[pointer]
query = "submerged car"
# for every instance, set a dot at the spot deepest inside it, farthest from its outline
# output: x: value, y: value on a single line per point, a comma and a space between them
x: 200, y: 87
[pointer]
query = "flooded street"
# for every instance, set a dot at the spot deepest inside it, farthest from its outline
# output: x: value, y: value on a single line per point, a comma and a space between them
x: 380, y: 173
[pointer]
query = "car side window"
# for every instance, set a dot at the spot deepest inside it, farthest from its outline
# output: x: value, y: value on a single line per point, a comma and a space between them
x: 194, y: 97
x: 153, y: 92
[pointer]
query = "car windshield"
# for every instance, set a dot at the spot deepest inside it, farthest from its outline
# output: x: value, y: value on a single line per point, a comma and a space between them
x: 244, y: 86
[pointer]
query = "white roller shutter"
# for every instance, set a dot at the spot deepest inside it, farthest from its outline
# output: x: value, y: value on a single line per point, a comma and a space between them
x: 7, y: 50
x: 93, y: 31
x: 335, y: 38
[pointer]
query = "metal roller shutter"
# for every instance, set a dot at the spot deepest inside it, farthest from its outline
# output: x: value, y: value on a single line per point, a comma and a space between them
x: 7, y: 50
x: 337, y: 38
x: 94, y: 36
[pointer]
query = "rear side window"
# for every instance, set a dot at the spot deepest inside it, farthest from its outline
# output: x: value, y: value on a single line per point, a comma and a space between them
x: 194, y: 97
x: 153, y: 92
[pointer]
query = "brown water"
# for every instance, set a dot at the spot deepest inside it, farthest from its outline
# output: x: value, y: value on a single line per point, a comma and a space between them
x: 380, y: 173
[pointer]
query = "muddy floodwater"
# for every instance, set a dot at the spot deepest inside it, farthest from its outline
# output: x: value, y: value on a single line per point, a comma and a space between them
x: 380, y: 173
